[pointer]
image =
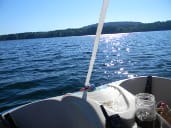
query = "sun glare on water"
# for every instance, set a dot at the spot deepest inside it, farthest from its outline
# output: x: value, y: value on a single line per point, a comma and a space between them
x: 109, y: 37
x: 115, y: 48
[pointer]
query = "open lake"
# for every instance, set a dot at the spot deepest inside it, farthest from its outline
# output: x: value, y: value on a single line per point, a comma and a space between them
x: 40, y: 68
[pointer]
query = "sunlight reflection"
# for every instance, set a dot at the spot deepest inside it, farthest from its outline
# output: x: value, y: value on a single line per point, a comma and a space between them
x: 115, y: 48
x: 127, y: 49
x: 109, y: 37
x: 132, y: 75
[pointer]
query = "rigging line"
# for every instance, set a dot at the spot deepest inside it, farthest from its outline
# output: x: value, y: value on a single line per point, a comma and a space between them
x: 96, y: 42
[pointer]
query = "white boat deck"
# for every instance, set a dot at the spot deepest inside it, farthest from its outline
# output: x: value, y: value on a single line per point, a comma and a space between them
x: 71, y: 110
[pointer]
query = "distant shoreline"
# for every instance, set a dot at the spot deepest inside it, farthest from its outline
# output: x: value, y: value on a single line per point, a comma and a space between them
x: 109, y: 28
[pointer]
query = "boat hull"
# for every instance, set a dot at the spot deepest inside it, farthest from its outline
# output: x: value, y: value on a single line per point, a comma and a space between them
x: 117, y: 98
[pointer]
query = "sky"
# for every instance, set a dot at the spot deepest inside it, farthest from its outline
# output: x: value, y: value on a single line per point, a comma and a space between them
x: 17, y: 16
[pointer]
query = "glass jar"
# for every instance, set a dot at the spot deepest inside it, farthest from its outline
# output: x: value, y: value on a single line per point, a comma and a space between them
x: 145, y: 114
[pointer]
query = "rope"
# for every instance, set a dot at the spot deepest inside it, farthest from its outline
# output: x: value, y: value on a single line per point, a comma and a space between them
x: 96, y: 42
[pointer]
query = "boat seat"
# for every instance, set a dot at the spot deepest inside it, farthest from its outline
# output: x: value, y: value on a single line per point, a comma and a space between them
x: 160, y: 87
x: 70, y: 112
x: 82, y: 112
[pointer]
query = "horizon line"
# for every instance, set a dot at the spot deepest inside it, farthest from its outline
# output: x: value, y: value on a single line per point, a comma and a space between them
x: 82, y: 27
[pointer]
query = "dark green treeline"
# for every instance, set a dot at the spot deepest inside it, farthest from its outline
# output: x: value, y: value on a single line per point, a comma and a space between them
x: 109, y: 28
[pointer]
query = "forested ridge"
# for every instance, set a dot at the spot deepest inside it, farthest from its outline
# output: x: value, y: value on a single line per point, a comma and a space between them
x: 109, y: 28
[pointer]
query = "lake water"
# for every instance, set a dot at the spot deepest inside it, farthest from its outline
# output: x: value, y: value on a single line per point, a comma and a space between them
x: 40, y: 68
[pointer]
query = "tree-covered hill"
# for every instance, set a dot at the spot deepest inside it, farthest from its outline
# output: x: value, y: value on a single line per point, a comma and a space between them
x: 109, y: 28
